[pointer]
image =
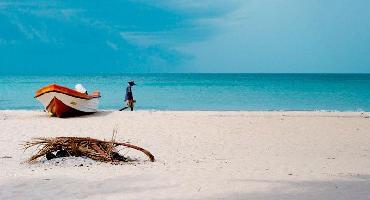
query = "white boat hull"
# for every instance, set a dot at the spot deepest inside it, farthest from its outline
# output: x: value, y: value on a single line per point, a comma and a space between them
x: 83, y: 105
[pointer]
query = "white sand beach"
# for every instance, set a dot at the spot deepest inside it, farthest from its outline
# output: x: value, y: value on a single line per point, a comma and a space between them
x: 200, y: 155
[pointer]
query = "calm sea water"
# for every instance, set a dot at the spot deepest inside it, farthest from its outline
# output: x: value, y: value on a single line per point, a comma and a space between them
x: 343, y: 92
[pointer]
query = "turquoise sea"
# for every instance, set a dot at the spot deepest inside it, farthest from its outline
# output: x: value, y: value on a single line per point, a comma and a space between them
x: 341, y: 92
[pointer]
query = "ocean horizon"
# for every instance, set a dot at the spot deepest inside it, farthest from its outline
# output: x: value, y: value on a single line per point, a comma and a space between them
x: 204, y: 91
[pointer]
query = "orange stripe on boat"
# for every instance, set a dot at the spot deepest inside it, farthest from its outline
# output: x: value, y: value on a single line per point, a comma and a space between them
x: 65, y: 90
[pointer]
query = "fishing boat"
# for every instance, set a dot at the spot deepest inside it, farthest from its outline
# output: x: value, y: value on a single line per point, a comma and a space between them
x: 61, y: 101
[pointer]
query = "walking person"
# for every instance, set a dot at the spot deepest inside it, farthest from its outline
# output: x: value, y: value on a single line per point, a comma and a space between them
x: 129, y: 98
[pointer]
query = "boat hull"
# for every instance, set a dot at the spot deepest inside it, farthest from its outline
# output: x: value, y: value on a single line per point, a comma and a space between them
x: 64, y: 102
x: 58, y: 109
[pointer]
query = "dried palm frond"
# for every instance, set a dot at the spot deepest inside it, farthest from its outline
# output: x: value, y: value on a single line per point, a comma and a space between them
x: 100, y: 150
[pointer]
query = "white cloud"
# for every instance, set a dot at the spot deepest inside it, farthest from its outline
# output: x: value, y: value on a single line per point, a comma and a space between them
x: 112, y: 45
x: 195, y: 5
x: 68, y: 13
x: 144, y: 39
x: 20, y: 5
x: 31, y: 32
x: 7, y: 42
x: 57, y: 13
x: 23, y: 30
x: 203, y: 13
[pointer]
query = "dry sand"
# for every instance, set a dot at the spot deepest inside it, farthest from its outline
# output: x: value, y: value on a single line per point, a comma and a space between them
x: 200, y: 155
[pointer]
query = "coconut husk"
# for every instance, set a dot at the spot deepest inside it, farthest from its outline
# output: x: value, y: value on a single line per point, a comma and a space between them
x: 99, y: 150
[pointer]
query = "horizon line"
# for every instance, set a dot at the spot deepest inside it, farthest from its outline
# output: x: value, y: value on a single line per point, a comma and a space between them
x: 152, y: 73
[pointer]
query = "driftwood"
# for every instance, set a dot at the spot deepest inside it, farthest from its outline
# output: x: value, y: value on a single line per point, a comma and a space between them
x: 99, y: 150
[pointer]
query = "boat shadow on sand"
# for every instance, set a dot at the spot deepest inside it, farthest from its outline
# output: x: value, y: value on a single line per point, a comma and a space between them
x: 97, y: 114
x: 90, y: 115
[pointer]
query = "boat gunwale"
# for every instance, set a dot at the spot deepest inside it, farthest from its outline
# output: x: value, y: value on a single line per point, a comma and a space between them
x: 63, y: 90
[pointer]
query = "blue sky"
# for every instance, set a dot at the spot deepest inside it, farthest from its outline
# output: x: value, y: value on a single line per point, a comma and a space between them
x: 99, y: 37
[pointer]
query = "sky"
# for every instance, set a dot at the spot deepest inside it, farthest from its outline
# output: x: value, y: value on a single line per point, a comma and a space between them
x: 206, y: 36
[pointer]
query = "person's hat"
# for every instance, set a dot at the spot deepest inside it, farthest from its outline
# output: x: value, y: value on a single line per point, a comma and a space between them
x: 131, y: 83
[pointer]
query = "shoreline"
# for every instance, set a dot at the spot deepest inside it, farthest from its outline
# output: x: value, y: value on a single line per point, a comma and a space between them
x: 199, y: 155
x: 247, y: 111
x: 102, y: 113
